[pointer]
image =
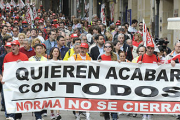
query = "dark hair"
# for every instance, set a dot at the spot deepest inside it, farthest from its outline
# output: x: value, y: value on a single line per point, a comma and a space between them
x: 61, y: 23
x: 119, y: 52
x: 97, y: 28
x: 97, y: 37
x: 115, y: 43
x: 122, y: 29
x: 5, y: 38
x: 134, y: 21
x: 51, y: 56
x: 126, y: 23
x: 54, y: 30
x: 76, y: 39
x: 3, y: 26
x: 90, y: 30
x: 161, y: 49
x: 38, y: 45
x: 34, y: 29
x: 137, y: 51
x: 113, y: 55
x: 58, y: 38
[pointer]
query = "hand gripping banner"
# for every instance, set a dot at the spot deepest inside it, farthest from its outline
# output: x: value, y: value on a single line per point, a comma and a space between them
x: 92, y: 86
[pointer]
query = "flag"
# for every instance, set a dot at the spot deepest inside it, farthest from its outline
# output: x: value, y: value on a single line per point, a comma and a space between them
x: 21, y: 4
x: 103, y: 17
x: 8, y: 6
x: 34, y: 11
x: 29, y: 15
x: 2, y: 4
x: 112, y: 11
x: 147, y: 37
x: 13, y: 3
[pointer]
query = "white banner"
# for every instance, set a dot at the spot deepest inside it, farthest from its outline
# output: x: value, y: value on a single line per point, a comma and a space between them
x: 92, y: 86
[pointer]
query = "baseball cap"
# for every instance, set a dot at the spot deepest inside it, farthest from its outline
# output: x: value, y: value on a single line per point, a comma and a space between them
x: 15, y: 42
x: 8, y: 44
x: 15, y: 21
x: 40, y: 21
x: 37, y: 18
x: 55, y: 20
x: 84, y: 45
x: 74, y: 36
x: 44, y: 45
x: 17, y: 17
x: 24, y: 22
x: 150, y: 45
x: 118, y: 23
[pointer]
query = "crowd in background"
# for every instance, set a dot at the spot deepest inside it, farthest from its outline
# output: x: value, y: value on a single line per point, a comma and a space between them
x: 52, y: 36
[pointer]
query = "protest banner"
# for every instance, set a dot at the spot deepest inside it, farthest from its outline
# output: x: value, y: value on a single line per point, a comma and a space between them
x: 92, y: 86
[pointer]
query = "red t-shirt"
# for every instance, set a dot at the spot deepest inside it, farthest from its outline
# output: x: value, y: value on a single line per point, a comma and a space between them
x: 149, y: 59
x: 135, y: 43
x: 10, y: 57
x: 106, y: 58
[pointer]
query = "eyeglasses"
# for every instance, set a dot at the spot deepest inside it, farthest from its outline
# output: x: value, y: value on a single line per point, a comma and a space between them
x: 107, y: 46
x: 141, y: 25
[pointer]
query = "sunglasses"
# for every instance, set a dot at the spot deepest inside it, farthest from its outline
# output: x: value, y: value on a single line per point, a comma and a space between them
x: 107, y: 46
x: 140, y: 25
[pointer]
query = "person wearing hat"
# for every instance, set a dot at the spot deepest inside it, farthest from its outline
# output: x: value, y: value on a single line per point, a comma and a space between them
x: 15, y: 55
x: 36, y: 22
x: 149, y: 56
x: 82, y: 56
x: 16, y: 23
x: 72, y: 36
x: 7, y: 50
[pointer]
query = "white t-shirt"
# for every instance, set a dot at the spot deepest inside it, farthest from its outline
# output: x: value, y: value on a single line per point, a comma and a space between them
x: 15, y: 38
x: 132, y: 29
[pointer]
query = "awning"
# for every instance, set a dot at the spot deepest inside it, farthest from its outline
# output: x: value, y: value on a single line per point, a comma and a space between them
x: 173, y: 23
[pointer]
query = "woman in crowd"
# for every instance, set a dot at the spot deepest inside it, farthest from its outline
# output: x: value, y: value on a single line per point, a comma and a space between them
x: 109, y: 55
x: 122, y: 56
x: 55, y: 55
x: 21, y: 37
x: 35, y: 41
x: 137, y: 39
x: 109, y: 36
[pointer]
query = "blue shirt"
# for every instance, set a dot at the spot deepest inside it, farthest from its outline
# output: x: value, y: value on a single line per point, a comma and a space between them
x: 101, y: 50
x: 63, y: 51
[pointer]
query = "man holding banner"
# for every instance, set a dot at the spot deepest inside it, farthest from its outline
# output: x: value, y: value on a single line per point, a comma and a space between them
x: 38, y: 57
x: 15, y: 55
x: 82, y: 56
x: 148, y: 57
